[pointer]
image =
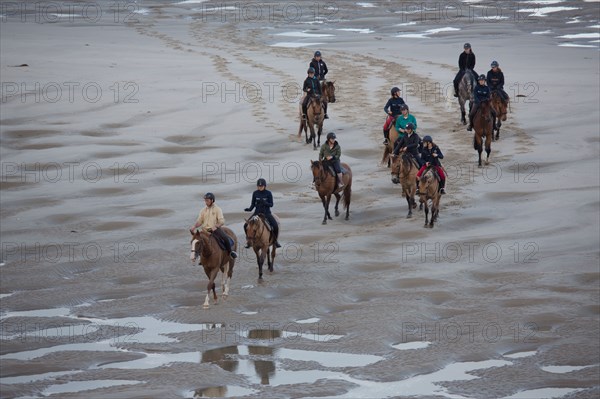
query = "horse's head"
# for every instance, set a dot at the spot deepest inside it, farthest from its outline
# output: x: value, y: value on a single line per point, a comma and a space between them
x: 254, y: 224
x: 316, y: 106
x: 329, y: 91
x: 500, y: 105
x: 316, y: 168
x: 196, y: 246
x: 395, y: 170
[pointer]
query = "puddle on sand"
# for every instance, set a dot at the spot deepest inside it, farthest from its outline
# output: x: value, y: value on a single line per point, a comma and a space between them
x: 308, y: 321
x: 563, y: 369
x: 546, y: 393
x: 519, y: 355
x: 153, y: 360
x: 219, y: 392
x: 25, y: 379
x: 56, y: 312
x: 412, y: 345
x: 294, y: 334
x: 79, y: 386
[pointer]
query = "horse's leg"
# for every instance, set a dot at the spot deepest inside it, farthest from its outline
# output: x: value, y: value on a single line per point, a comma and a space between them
x: 224, y: 279
x: 259, y: 262
x: 210, y: 286
x: 337, y: 202
x: 409, y: 206
x: 270, y: 250
x: 327, y: 214
x: 347, y: 198
x: 498, y: 126
x: 462, y: 112
x: 426, y: 213
x: 320, y: 131
x: 488, y: 145
x: 325, y: 206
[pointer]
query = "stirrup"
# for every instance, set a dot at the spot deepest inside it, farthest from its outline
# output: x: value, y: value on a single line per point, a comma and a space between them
x: 233, y: 254
x: 386, y: 142
x: 326, y: 116
x: 277, y: 244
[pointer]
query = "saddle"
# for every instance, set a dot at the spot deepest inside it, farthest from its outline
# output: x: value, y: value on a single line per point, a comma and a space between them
x: 329, y: 168
x: 221, y: 243
x: 265, y: 221
x: 412, y: 159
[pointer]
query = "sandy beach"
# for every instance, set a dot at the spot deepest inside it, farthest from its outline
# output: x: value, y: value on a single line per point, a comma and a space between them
x: 117, y: 117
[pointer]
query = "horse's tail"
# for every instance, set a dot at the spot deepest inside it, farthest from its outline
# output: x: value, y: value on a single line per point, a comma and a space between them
x: 347, y: 195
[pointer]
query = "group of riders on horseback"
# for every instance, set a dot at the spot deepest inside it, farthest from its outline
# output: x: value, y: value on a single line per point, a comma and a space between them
x: 424, y: 151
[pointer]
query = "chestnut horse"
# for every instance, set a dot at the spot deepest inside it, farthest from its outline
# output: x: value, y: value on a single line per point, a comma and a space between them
x: 500, y: 105
x: 429, y: 190
x: 326, y: 186
x: 213, y: 259
x: 262, y: 241
x: 389, y: 148
x: 314, y: 116
x: 483, y: 126
x: 404, y: 171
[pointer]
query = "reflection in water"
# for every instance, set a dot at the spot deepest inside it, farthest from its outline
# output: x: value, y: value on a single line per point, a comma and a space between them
x: 264, y: 368
x: 228, y: 358
x: 264, y: 334
x: 210, y: 392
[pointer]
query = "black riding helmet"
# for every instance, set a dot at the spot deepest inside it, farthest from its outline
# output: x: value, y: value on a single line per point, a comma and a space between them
x: 481, y: 77
x: 427, y: 139
x: 261, y: 182
x: 403, y: 107
x: 317, y: 53
x: 209, y: 196
x: 331, y: 135
x: 311, y: 70
x: 410, y: 126
x: 395, y: 90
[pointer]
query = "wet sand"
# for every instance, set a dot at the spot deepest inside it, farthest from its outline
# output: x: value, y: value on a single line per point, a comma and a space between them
x: 98, y: 295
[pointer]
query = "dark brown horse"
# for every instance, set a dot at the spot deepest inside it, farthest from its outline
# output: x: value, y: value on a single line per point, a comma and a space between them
x: 326, y: 186
x: 404, y: 171
x: 389, y: 148
x: 328, y: 91
x: 262, y: 241
x: 500, y: 105
x: 483, y: 125
x: 429, y: 190
x: 213, y: 259
x: 314, y: 116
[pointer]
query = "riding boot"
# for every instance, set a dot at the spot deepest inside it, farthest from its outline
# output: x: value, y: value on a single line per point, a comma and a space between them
x: 417, y: 192
x: 386, y: 136
x: 442, y: 186
x: 470, y: 127
x: 325, y: 109
x: 304, y: 111
x: 340, y: 182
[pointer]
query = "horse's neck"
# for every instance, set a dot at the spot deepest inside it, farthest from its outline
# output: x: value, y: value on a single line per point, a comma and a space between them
x: 206, y: 242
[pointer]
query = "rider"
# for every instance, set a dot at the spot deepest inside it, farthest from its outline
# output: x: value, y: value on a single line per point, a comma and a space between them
x: 210, y: 220
x: 311, y: 88
x: 403, y: 120
x: 409, y: 143
x: 392, y: 108
x: 431, y: 155
x: 320, y: 71
x: 466, y: 60
x: 495, y: 80
x: 319, y: 66
x: 262, y: 201
x: 481, y: 93
x: 331, y: 153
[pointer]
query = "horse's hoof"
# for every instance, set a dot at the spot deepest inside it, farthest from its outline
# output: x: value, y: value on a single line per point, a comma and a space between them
x: 409, y: 216
x: 260, y: 278
x: 224, y: 296
x: 337, y: 213
x: 324, y: 222
x: 347, y: 218
x: 205, y: 306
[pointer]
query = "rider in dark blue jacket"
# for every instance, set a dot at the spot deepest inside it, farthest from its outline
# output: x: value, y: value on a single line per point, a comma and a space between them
x: 466, y: 60
x: 481, y: 93
x: 311, y: 87
x: 262, y: 201
x: 495, y: 80
x: 393, y: 108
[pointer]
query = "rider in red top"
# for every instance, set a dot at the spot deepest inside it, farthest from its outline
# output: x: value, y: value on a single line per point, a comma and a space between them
x: 431, y: 155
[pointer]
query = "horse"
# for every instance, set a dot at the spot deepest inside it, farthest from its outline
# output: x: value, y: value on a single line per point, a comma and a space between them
x: 328, y: 91
x: 326, y: 185
x: 429, y: 190
x: 404, y: 171
x: 262, y: 241
x: 314, y: 116
x: 500, y: 105
x: 465, y: 92
x: 483, y: 125
x: 213, y: 259
x: 389, y: 148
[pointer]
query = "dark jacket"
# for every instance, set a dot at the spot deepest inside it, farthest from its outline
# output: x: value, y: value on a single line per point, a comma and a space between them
x: 466, y: 61
x: 311, y: 86
x: 335, y: 152
x: 412, y: 144
x: 262, y: 201
x: 394, y: 104
x: 481, y: 93
x: 426, y: 155
x: 495, y: 80
x: 320, y: 68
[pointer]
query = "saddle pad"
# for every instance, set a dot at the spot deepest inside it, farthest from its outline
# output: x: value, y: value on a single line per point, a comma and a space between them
x: 222, y: 244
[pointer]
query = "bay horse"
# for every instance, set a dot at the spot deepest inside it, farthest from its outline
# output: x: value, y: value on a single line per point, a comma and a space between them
x: 404, y: 171
x: 465, y: 93
x: 500, y: 105
x: 429, y: 190
x: 483, y: 126
x: 262, y: 241
x: 213, y: 259
x: 314, y: 116
x: 389, y: 148
x: 326, y: 186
